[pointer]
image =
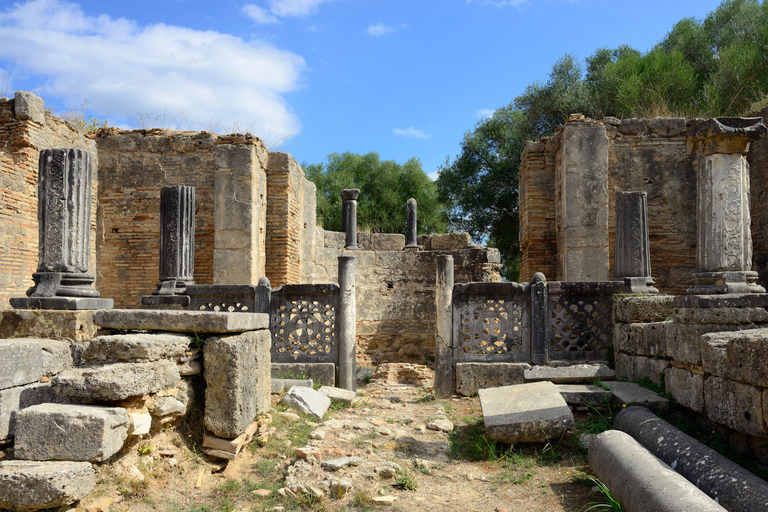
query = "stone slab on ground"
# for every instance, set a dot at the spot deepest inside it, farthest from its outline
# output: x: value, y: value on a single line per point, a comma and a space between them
x: 75, y: 325
x: 12, y: 400
x: 32, y: 485
x: 322, y: 373
x: 193, y: 322
x: 342, y: 395
x: 579, y: 394
x: 629, y: 393
x: 136, y: 347
x: 116, y: 381
x: 237, y: 371
x: 529, y: 413
x: 21, y: 362
x: 470, y: 377
x: 70, y: 432
x: 307, y: 400
x: 280, y: 385
x: 569, y: 374
x: 341, y: 462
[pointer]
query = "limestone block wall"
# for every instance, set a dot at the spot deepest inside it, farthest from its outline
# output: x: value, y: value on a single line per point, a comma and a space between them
x: 25, y: 130
x: 395, y: 288
x: 711, y: 360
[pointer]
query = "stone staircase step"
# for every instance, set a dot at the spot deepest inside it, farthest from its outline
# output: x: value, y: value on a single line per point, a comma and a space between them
x: 569, y: 374
x: 193, y: 322
x: 116, y: 381
x: 32, y: 485
x: 136, y: 347
x: 580, y: 394
x: 629, y: 393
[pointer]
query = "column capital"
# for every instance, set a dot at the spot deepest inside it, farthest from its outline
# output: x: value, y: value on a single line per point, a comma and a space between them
x: 725, y: 135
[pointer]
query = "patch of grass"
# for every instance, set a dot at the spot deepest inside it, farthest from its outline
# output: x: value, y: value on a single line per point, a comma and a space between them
x: 607, y: 504
x: 362, y: 500
x: 145, y: 449
x: 516, y: 468
x: 405, y: 480
x: 600, y: 419
x: 229, y: 487
x: 471, y: 441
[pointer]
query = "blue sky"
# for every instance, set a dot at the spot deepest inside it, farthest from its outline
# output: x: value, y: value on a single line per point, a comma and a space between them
x: 404, y: 78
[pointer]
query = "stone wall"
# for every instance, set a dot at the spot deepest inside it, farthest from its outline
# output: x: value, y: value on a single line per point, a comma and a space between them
x: 642, y: 155
x: 758, y: 171
x: 395, y: 288
x: 25, y: 130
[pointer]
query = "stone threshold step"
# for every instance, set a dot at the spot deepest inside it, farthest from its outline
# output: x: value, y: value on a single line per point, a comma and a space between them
x: 569, y: 374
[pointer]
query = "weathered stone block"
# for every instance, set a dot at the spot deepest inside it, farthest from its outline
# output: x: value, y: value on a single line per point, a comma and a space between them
x: 667, y: 126
x: 528, y: 413
x: 323, y: 373
x: 732, y: 316
x: 21, y: 362
x: 471, y: 377
x: 163, y: 406
x: 70, y: 432
x: 449, y: 241
x: 136, y: 347
x: 646, y: 339
x: 737, y: 405
x: 387, y: 242
x: 654, y: 308
x: 12, y: 400
x: 342, y: 395
x: 634, y: 126
x: 629, y: 393
x: 568, y: 374
x: 45, y: 323
x: 116, y: 381
x: 194, y: 322
x: 739, y: 355
x: 307, y: 400
x: 637, y: 367
x: 57, y: 356
x: 29, y: 107
x: 334, y: 239
x: 32, y: 485
x: 576, y: 394
x: 237, y: 370
x: 684, y: 344
x: 687, y: 388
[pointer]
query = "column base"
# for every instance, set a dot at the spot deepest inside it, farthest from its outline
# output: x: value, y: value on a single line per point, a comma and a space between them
x: 642, y: 285
x: 64, y: 303
x: 731, y: 282
x: 171, y: 287
x: 62, y: 284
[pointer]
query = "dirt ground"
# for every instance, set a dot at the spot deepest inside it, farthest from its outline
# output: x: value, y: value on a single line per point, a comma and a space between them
x: 433, y: 470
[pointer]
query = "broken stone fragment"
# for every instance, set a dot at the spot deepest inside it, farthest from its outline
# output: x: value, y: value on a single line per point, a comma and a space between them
x: 32, y: 485
x: 307, y: 400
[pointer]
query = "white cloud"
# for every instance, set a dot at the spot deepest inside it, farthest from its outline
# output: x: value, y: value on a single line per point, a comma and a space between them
x: 411, y: 133
x: 121, y: 67
x: 485, y: 113
x: 379, y: 29
x: 282, y: 9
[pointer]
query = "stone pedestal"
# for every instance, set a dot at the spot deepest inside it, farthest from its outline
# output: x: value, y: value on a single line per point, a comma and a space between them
x: 177, y: 246
x: 410, y: 230
x: 349, y: 222
x: 724, y: 244
x: 632, y: 259
x: 64, y: 216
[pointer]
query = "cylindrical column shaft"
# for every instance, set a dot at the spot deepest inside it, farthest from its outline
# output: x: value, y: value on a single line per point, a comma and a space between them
x: 444, y: 375
x: 349, y: 209
x: 411, y: 226
x: 347, y: 324
x: 177, y: 234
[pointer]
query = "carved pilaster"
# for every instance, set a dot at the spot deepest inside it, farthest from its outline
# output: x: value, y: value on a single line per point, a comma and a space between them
x: 632, y: 259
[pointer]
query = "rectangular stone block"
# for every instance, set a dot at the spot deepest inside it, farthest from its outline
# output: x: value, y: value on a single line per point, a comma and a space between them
x: 387, y: 241
x: 638, y: 367
x: 569, y: 374
x: 12, y: 400
x: 525, y: 413
x: 30, y: 485
x: 732, y: 316
x: 645, y: 339
x: 322, y: 373
x: 70, y: 432
x: 21, y: 362
x: 45, y: 323
x: 736, y: 405
x: 116, y: 381
x: 57, y: 356
x: 237, y: 371
x: 136, y: 347
x: 684, y: 343
x: 737, y: 355
x: 471, y: 377
x: 687, y: 388
x: 449, y: 241
x: 194, y: 322
x: 654, y: 308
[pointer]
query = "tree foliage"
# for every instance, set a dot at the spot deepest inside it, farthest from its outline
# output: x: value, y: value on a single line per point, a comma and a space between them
x: 385, y: 187
x: 717, y: 66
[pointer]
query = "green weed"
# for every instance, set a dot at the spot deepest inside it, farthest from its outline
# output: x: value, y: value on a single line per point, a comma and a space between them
x: 405, y: 480
x: 608, y: 502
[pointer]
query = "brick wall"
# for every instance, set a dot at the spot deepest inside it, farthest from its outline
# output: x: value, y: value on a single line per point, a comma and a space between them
x: 20, y: 144
x: 758, y: 173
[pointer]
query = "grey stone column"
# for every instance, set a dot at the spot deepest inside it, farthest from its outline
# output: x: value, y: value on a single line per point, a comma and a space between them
x: 411, y: 238
x: 539, y: 320
x: 64, y: 216
x: 347, y: 324
x: 263, y: 296
x: 177, y: 246
x: 724, y: 243
x: 444, y: 375
x: 631, y: 255
x: 349, y: 209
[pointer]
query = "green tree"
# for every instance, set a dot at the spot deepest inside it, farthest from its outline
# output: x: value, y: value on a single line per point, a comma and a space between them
x: 385, y: 187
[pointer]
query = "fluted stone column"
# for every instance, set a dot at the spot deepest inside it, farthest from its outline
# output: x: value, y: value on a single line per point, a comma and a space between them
x: 347, y: 324
x: 64, y: 217
x: 631, y: 255
x: 724, y: 243
x: 349, y: 210
x: 411, y: 238
x: 177, y: 246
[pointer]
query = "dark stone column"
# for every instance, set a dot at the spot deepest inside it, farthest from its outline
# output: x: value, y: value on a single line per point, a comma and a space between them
x: 64, y: 216
x: 445, y: 384
x: 177, y: 246
x: 724, y: 244
x: 539, y: 320
x: 631, y: 255
x: 349, y: 209
x: 410, y: 229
